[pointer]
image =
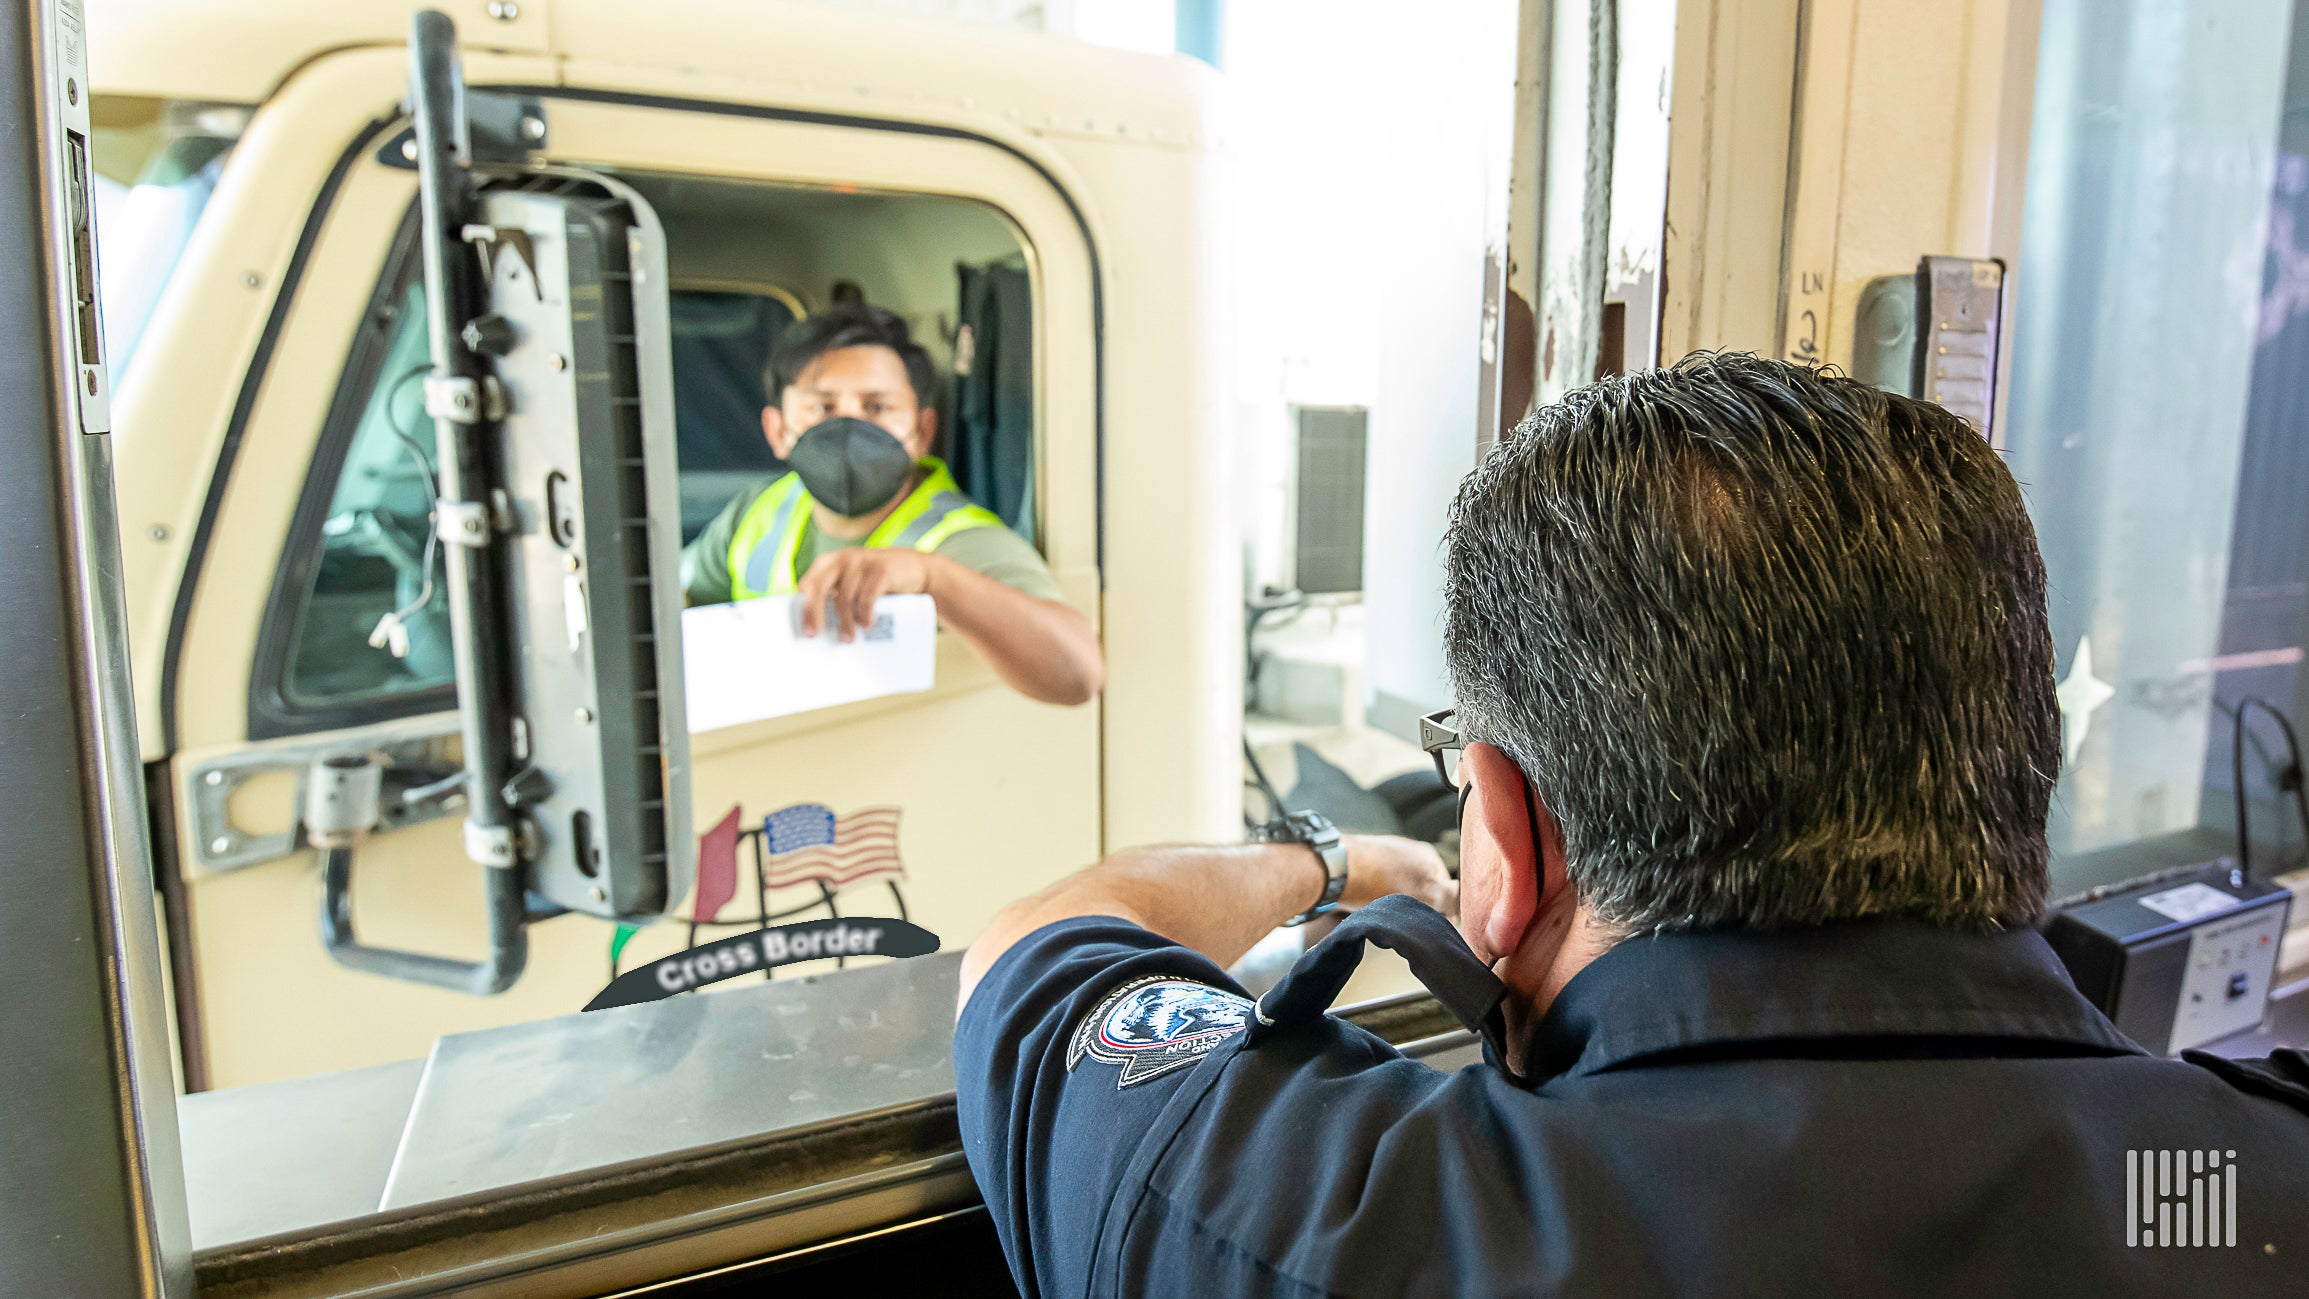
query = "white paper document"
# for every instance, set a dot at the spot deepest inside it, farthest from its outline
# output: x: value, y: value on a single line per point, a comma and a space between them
x: 747, y: 661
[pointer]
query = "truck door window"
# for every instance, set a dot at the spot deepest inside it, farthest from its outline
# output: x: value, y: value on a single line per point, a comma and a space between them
x: 376, y: 624
x: 359, y: 629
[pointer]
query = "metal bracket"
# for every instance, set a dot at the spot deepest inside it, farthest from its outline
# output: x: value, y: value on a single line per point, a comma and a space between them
x: 453, y: 398
x: 464, y: 401
x: 490, y: 241
x: 416, y: 751
x: 461, y: 523
x: 504, y: 130
x: 490, y: 845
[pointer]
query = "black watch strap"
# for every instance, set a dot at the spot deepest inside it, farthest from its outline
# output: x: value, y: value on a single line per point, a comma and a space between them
x: 1330, y: 849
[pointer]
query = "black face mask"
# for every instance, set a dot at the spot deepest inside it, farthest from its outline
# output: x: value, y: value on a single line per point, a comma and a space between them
x: 850, y: 466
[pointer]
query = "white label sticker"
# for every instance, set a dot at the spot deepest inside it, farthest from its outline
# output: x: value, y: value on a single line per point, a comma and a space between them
x: 2189, y: 901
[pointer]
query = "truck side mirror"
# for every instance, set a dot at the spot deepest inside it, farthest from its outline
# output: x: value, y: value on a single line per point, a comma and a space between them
x: 552, y: 406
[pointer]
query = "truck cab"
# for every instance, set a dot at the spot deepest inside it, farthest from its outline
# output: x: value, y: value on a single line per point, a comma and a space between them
x: 1034, y: 209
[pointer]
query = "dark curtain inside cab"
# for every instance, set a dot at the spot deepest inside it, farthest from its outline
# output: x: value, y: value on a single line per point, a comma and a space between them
x: 991, y: 443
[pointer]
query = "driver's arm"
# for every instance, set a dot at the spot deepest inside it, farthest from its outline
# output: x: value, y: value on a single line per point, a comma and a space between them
x: 992, y: 589
x: 1043, y: 649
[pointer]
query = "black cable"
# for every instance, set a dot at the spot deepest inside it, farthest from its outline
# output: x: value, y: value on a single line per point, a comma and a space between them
x: 761, y: 892
x: 398, y: 617
x: 1291, y: 602
x: 1257, y: 611
x: 1266, y: 786
x: 2289, y: 780
x: 840, y: 962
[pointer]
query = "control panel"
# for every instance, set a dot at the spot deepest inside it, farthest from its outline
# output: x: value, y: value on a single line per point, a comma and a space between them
x: 2177, y: 960
x: 2231, y: 964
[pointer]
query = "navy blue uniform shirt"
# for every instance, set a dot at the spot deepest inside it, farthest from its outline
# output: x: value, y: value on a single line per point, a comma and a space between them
x: 1876, y: 1108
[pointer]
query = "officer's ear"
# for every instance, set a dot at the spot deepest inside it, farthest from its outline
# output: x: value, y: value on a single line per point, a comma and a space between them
x: 1511, y: 866
x: 778, y: 431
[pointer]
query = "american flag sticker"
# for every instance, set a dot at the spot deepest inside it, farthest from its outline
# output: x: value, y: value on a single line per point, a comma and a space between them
x: 807, y: 843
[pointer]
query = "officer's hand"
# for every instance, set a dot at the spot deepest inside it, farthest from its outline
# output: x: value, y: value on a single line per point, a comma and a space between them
x: 852, y: 580
x: 1380, y: 864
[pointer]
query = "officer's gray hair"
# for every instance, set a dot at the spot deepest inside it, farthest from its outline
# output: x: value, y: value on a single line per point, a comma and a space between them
x: 1771, y: 645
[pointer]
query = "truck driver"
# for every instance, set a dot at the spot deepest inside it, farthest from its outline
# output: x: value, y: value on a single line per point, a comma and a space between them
x: 865, y: 511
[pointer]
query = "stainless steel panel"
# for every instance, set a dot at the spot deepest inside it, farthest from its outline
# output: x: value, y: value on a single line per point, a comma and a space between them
x: 284, y: 1157
x: 780, y: 1189
x: 562, y: 1096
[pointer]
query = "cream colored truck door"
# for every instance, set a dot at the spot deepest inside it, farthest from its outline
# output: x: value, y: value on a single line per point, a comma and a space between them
x: 318, y: 535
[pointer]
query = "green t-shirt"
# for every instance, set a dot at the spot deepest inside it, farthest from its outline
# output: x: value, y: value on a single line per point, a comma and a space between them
x: 998, y: 553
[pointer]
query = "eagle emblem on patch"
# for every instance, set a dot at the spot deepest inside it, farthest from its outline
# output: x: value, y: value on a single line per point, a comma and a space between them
x: 1151, y: 1026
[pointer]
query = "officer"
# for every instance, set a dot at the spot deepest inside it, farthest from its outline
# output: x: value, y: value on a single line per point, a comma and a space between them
x: 865, y: 511
x: 1757, y: 735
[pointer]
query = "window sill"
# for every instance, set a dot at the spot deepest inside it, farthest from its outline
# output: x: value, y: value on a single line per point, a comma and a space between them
x: 579, y: 1154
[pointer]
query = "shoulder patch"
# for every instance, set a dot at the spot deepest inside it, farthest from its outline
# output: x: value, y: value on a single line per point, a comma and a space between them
x: 1154, y: 1025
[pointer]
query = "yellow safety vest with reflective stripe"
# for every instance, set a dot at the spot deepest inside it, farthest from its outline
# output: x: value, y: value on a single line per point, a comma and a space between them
x: 770, y: 531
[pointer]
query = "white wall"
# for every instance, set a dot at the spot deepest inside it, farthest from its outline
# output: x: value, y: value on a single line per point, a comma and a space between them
x: 1451, y: 143
x: 1366, y: 147
x: 1147, y: 26
x: 1305, y: 143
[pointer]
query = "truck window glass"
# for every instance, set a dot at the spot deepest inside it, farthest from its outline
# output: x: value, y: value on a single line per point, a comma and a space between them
x: 376, y: 622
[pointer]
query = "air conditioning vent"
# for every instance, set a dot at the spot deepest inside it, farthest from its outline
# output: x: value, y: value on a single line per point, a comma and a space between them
x: 1328, y: 503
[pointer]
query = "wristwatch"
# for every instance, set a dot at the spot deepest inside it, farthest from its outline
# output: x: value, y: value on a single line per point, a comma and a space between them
x: 1317, y: 832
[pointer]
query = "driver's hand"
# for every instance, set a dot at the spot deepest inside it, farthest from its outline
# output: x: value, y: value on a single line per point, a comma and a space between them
x: 1380, y: 864
x: 852, y: 580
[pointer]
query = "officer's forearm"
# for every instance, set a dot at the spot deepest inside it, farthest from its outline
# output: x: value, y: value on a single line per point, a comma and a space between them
x: 1218, y: 901
x: 1040, y: 648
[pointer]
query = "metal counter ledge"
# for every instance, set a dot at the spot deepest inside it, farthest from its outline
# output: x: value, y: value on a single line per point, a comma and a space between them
x: 582, y: 1154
